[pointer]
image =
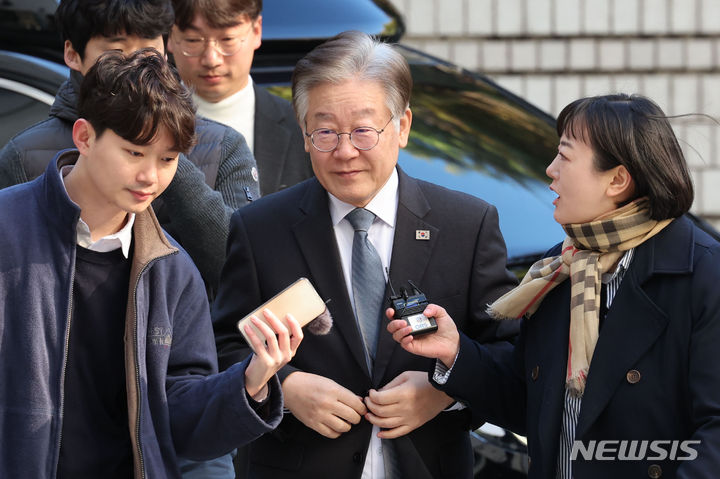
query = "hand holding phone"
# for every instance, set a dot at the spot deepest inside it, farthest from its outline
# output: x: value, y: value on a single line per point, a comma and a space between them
x: 299, y: 299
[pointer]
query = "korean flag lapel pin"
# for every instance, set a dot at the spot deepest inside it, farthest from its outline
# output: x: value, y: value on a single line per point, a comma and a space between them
x: 422, y: 234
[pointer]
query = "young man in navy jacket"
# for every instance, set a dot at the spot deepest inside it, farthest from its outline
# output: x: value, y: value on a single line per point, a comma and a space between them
x: 107, y: 314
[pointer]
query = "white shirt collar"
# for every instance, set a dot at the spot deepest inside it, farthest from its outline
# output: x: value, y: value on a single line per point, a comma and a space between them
x: 383, y: 205
x: 122, y: 239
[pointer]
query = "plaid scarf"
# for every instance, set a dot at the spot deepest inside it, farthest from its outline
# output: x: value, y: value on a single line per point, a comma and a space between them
x: 589, y: 250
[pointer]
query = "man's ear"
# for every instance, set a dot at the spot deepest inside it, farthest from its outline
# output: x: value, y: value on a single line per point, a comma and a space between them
x: 169, y: 45
x: 72, y: 57
x: 621, y: 186
x: 306, y: 139
x: 83, y: 135
x: 257, y: 27
x: 405, y: 123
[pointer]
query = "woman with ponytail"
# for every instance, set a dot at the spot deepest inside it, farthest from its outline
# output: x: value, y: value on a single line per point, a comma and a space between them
x: 616, y: 372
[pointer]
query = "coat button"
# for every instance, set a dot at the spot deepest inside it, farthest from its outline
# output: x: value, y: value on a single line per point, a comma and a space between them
x: 654, y: 471
x: 535, y: 372
x: 357, y: 457
x: 633, y: 376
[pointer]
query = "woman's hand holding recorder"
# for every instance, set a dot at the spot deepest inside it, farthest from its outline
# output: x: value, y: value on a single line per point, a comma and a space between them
x: 443, y: 344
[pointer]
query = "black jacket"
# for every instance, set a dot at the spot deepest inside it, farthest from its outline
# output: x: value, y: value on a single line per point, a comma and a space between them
x: 279, y: 145
x: 654, y: 375
x: 461, y: 266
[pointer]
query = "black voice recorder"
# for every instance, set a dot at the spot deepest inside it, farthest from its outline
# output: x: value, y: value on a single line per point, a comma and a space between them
x: 409, y: 307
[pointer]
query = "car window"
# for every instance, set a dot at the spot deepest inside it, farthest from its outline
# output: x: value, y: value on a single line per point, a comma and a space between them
x: 20, y: 107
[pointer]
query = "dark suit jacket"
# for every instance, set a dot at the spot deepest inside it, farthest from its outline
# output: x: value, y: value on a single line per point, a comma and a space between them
x: 279, y: 146
x: 655, y: 373
x: 289, y: 234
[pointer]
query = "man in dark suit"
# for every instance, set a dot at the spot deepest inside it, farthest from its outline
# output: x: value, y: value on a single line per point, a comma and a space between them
x: 213, y: 44
x: 358, y: 404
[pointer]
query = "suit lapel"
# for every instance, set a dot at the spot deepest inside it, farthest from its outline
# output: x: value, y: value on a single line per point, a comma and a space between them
x: 315, y: 235
x: 270, y: 141
x: 409, y: 256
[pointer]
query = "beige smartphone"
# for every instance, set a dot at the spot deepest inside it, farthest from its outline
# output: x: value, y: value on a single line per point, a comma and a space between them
x: 299, y: 299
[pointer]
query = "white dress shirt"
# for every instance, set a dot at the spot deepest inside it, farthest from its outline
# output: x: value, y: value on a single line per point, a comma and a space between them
x: 381, y: 234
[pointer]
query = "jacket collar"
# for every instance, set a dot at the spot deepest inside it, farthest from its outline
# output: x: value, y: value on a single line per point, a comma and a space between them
x: 410, y: 256
x: 66, y: 99
x: 60, y: 210
x: 662, y: 254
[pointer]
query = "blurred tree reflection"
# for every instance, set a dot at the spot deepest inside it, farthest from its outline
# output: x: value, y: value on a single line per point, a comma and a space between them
x: 473, y: 125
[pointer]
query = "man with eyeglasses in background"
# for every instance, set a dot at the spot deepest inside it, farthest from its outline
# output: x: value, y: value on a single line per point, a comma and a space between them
x: 359, y: 405
x: 213, y: 43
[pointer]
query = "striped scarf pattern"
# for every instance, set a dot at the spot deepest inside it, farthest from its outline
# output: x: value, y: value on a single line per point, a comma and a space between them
x: 588, y: 251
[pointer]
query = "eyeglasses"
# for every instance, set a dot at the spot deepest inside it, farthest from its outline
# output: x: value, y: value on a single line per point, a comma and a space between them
x: 227, y: 46
x: 363, y: 137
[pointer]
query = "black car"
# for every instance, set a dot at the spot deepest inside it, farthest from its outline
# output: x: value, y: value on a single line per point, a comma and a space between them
x: 27, y: 89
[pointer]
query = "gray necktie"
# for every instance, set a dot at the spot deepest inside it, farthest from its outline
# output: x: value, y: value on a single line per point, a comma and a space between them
x: 368, y: 280
x: 368, y: 284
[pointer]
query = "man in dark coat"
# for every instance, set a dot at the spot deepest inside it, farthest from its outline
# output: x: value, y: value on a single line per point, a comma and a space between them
x: 213, y: 44
x: 358, y: 404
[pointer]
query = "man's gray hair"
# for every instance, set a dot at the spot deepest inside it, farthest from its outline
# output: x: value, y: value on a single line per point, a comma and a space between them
x: 353, y: 55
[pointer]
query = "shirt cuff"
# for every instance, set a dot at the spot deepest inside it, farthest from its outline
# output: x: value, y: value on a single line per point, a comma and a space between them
x: 442, y: 372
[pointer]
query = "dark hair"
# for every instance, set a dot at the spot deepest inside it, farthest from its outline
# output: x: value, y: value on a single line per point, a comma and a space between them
x: 353, y: 55
x: 135, y: 96
x: 631, y: 130
x: 217, y: 13
x: 81, y: 20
